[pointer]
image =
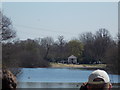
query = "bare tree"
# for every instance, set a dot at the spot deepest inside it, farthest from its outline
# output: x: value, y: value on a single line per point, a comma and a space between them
x: 87, y: 37
x: 61, y: 41
x: 95, y: 45
x: 88, y: 40
x: 102, y: 42
x: 7, y: 33
x: 46, y: 43
x: 60, y: 47
x: 6, y: 28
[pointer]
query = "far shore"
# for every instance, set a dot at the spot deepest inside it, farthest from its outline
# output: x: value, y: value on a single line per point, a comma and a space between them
x: 81, y: 66
x: 87, y: 66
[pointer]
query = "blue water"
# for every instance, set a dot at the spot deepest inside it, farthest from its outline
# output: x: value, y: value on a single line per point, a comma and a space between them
x: 58, y: 75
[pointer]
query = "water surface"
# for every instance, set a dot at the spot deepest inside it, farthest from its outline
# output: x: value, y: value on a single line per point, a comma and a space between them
x: 55, y: 78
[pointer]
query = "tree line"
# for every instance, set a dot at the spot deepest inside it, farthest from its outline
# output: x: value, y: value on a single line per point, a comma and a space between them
x: 88, y: 48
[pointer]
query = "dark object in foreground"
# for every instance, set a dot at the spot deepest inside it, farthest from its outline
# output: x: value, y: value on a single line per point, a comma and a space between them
x: 84, y: 86
x: 8, y: 80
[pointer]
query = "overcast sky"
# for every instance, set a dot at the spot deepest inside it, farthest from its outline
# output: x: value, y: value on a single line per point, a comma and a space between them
x: 42, y: 19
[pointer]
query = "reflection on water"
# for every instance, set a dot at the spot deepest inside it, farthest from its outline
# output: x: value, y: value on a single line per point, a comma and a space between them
x: 55, y: 78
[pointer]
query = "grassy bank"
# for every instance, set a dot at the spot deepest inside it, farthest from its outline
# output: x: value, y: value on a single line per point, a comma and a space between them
x: 59, y: 65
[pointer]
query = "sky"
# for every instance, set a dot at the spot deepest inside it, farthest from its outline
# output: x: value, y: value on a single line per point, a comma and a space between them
x: 41, y: 19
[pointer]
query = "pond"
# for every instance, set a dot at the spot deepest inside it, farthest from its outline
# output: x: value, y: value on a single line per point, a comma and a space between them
x: 56, y: 77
